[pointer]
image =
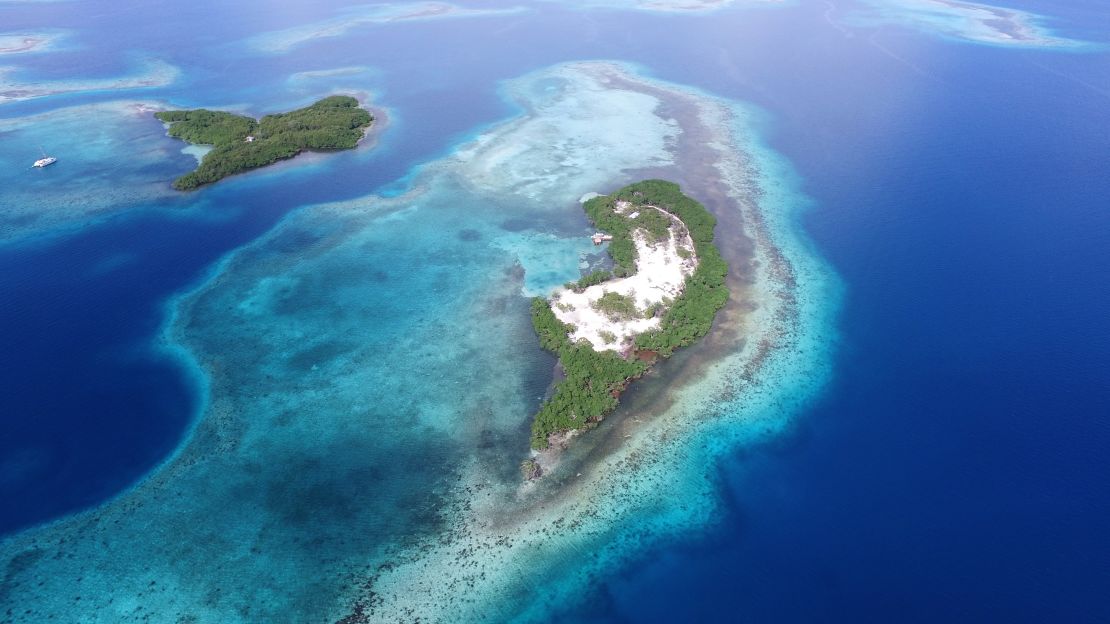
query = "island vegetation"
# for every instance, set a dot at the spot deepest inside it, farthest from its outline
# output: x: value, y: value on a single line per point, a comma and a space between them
x: 241, y: 143
x: 594, y: 379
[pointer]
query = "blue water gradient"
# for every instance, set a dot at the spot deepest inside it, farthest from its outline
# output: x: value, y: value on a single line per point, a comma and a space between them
x: 954, y: 470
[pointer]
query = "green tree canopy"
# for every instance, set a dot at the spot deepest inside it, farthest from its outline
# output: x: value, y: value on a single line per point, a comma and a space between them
x: 241, y: 143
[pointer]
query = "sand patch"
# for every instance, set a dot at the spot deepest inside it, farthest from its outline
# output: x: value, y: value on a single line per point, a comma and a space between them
x: 660, y: 277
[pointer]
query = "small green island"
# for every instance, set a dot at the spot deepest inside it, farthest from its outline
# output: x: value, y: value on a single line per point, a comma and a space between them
x: 610, y: 327
x: 241, y: 143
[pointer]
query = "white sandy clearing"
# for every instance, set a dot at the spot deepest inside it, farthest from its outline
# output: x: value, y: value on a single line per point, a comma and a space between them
x: 660, y: 273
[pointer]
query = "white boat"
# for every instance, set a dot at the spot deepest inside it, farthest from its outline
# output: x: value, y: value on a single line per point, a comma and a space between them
x: 45, y: 161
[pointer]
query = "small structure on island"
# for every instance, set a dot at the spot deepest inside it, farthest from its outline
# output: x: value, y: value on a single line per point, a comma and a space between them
x: 249, y: 139
x: 601, y: 237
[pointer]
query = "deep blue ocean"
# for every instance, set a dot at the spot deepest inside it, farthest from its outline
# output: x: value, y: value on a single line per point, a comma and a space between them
x: 955, y: 469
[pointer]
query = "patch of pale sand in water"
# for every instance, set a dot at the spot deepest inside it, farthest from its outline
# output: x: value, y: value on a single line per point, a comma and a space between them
x: 970, y: 21
x: 573, y: 121
x: 660, y: 274
x: 151, y: 73
x: 16, y: 44
x: 88, y: 183
x: 284, y: 41
x: 26, y: 42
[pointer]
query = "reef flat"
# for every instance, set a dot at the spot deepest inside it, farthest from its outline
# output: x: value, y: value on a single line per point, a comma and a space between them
x: 30, y: 42
x: 968, y: 21
x: 150, y: 73
x: 284, y: 41
x: 647, y: 477
x: 366, y: 381
x: 671, y: 6
x: 326, y: 74
x: 89, y: 182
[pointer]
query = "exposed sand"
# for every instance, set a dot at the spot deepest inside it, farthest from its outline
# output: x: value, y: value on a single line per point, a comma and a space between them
x: 670, y: 6
x: 660, y: 274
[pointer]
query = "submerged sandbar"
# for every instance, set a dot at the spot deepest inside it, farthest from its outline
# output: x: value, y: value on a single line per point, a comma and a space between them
x: 974, y: 22
x: 23, y: 43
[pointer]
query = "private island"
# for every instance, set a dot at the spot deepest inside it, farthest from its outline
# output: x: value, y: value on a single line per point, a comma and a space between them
x: 610, y: 327
x: 241, y: 143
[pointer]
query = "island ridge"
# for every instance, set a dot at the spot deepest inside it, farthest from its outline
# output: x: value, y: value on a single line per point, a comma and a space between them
x: 609, y: 328
x: 241, y: 143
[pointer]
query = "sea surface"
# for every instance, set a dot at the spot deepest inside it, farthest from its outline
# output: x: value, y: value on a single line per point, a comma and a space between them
x: 352, y: 329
